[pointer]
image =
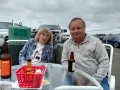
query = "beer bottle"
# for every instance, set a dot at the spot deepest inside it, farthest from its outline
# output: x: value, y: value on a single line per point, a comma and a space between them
x: 5, y: 62
x: 71, y: 62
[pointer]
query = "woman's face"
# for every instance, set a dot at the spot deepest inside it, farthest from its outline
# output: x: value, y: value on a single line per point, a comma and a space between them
x: 44, y: 37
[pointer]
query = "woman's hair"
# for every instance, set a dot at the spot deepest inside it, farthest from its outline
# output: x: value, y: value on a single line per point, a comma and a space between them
x: 77, y: 18
x: 46, y: 30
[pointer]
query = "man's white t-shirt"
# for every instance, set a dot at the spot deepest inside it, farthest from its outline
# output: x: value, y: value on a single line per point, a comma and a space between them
x: 36, y: 56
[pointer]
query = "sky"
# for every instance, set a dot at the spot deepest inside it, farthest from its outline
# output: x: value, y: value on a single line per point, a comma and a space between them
x: 101, y: 16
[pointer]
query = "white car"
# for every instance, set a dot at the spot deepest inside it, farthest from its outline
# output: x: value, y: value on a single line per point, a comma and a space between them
x: 66, y: 36
x: 1, y: 40
x: 1, y: 43
x: 4, y: 27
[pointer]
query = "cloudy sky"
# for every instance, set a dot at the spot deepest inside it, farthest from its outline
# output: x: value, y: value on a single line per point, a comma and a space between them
x: 101, y: 16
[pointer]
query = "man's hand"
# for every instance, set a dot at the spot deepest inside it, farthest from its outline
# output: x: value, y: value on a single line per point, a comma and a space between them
x: 90, y: 84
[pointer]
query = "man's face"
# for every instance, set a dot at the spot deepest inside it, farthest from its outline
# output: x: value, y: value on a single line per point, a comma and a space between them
x: 77, y: 29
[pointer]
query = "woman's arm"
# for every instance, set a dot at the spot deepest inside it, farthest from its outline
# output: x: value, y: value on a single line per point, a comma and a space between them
x: 23, y: 52
x: 47, y: 53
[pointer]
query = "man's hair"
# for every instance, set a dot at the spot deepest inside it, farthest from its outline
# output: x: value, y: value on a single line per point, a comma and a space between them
x: 77, y: 18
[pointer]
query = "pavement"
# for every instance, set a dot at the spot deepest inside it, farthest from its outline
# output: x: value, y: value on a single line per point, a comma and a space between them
x: 116, y: 67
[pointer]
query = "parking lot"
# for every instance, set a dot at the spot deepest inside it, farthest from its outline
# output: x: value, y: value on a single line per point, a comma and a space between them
x: 116, y: 67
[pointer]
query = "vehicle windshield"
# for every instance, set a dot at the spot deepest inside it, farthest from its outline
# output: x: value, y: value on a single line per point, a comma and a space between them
x: 51, y: 27
x: 5, y: 25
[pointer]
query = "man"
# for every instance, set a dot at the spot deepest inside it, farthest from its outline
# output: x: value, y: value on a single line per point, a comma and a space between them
x: 89, y: 52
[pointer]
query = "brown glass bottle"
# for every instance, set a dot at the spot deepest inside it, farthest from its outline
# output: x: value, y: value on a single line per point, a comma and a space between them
x: 71, y: 62
x: 5, y: 62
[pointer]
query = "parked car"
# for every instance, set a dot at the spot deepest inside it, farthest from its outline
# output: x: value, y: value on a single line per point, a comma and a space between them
x: 56, y: 30
x: 65, y: 36
x: 100, y: 36
x: 114, y: 40
x: 1, y: 42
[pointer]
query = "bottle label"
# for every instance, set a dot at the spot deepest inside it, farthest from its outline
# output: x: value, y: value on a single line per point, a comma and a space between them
x: 5, y: 67
x: 73, y: 66
x: 0, y: 67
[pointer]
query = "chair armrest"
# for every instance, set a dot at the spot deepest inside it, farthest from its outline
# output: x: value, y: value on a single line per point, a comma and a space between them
x: 112, y: 83
x: 77, y: 88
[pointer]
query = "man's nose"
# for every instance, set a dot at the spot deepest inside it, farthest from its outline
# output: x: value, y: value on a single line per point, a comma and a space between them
x: 76, y: 30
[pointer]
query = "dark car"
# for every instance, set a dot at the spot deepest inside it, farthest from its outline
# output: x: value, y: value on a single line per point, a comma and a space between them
x: 114, y: 40
x: 100, y: 36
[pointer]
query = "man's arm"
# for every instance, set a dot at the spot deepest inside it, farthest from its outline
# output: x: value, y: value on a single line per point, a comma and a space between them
x: 65, y: 53
x: 103, y: 60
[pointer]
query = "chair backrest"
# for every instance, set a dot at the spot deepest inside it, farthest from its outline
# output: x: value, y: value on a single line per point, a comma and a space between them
x: 109, y: 49
x: 15, y: 47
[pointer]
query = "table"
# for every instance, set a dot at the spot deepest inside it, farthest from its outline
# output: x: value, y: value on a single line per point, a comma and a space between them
x: 59, y: 78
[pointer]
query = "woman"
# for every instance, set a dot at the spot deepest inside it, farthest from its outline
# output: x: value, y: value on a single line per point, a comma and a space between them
x: 38, y: 49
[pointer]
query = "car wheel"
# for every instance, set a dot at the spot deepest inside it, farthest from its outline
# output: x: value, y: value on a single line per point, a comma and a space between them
x: 115, y: 45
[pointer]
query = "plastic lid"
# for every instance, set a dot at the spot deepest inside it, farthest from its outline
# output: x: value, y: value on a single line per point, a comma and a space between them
x: 38, y: 71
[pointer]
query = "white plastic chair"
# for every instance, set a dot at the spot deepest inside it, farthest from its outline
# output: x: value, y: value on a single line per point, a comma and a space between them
x: 111, y: 78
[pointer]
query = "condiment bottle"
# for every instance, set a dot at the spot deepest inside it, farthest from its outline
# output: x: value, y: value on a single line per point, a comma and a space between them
x: 5, y: 62
x: 29, y: 67
x: 71, y: 62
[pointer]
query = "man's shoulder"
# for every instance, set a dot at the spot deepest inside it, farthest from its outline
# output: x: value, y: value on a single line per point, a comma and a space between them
x: 68, y: 41
x: 95, y: 40
x: 93, y: 37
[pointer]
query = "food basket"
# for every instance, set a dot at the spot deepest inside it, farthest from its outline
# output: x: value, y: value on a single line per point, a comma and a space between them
x: 33, y: 80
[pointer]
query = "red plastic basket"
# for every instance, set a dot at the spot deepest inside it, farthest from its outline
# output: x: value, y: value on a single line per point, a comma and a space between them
x: 30, y: 80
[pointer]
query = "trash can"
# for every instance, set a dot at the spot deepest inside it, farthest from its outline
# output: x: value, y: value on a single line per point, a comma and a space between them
x: 18, y: 35
x: 57, y: 53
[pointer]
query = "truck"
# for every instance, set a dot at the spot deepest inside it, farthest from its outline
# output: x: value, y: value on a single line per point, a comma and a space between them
x: 56, y: 30
x: 4, y: 27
